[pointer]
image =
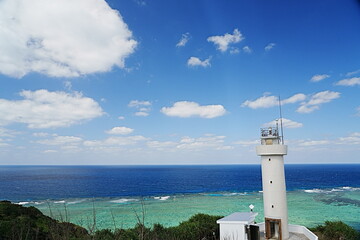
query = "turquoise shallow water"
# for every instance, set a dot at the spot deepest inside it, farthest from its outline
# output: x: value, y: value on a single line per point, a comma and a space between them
x: 306, y: 207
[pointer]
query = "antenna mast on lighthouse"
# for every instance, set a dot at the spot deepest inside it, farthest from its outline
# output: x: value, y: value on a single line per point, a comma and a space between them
x: 281, y: 123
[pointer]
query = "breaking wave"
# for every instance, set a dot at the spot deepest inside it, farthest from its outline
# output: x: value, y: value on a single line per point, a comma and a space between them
x: 124, y: 200
x: 76, y: 201
x: 162, y: 198
x: 338, y: 189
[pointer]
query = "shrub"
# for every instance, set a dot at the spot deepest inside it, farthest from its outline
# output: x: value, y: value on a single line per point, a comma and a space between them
x: 18, y: 222
x: 104, y: 234
x: 336, y: 231
x: 199, y: 226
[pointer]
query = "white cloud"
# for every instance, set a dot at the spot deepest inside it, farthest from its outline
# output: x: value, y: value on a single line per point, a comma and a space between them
x: 294, y: 99
x: 161, y: 145
x: 71, y: 148
x: 319, y: 77
x: 7, y: 133
x: 50, y: 151
x: 352, y: 139
x: 41, y: 134
x: 314, y: 143
x: 247, y: 49
x: 120, y: 130
x: 144, y: 107
x: 110, y: 144
x: 271, y: 101
x: 68, y: 85
x: 223, y: 42
x: 3, y: 144
x: 194, y: 61
x: 323, y: 97
x: 206, y: 142
x: 121, y: 117
x: 141, y: 114
x: 44, y: 109
x: 187, y: 109
x: 349, y: 82
x: 184, y: 39
x: 137, y: 103
x: 316, y: 100
x: 269, y: 46
x: 262, y: 102
x: 141, y: 3
x: 116, y: 141
x: 352, y: 73
x: 62, y: 38
x: 307, y: 108
x: 247, y: 143
x: 287, y: 123
x: 61, y: 140
x: 234, y: 50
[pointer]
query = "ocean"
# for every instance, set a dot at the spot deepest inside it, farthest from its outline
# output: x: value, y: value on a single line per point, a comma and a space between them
x: 114, y: 195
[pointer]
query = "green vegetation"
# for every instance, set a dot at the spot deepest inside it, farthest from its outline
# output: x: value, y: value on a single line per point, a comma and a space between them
x: 200, y: 226
x: 28, y: 223
x: 17, y: 222
x: 336, y: 231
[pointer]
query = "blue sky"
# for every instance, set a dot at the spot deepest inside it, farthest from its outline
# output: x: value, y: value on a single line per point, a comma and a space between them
x: 177, y: 82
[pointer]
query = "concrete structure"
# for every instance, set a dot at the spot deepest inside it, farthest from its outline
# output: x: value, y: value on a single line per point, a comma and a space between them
x: 272, y: 151
x: 296, y: 232
x: 236, y: 225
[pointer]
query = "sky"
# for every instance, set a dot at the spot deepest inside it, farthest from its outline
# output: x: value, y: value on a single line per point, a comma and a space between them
x: 94, y: 82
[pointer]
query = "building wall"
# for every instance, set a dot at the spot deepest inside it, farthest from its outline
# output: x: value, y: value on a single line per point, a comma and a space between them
x: 232, y: 231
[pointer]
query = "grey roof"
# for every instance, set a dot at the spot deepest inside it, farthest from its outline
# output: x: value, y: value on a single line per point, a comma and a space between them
x: 239, y: 217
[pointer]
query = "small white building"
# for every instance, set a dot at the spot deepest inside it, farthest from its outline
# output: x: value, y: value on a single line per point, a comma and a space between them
x: 241, y: 226
x: 236, y: 225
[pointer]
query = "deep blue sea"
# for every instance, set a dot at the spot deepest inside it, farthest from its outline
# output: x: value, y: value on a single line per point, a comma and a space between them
x: 171, y: 194
x: 20, y: 183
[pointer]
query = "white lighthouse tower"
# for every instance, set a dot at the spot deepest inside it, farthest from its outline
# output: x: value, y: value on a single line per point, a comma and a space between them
x: 272, y: 150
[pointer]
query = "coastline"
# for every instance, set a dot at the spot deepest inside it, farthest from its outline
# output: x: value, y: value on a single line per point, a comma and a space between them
x: 333, y: 204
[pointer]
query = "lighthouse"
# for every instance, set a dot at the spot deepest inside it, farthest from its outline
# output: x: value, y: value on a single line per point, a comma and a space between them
x: 242, y: 225
x: 272, y: 151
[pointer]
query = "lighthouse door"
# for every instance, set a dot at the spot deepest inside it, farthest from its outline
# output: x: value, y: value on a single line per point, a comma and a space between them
x: 273, y: 228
